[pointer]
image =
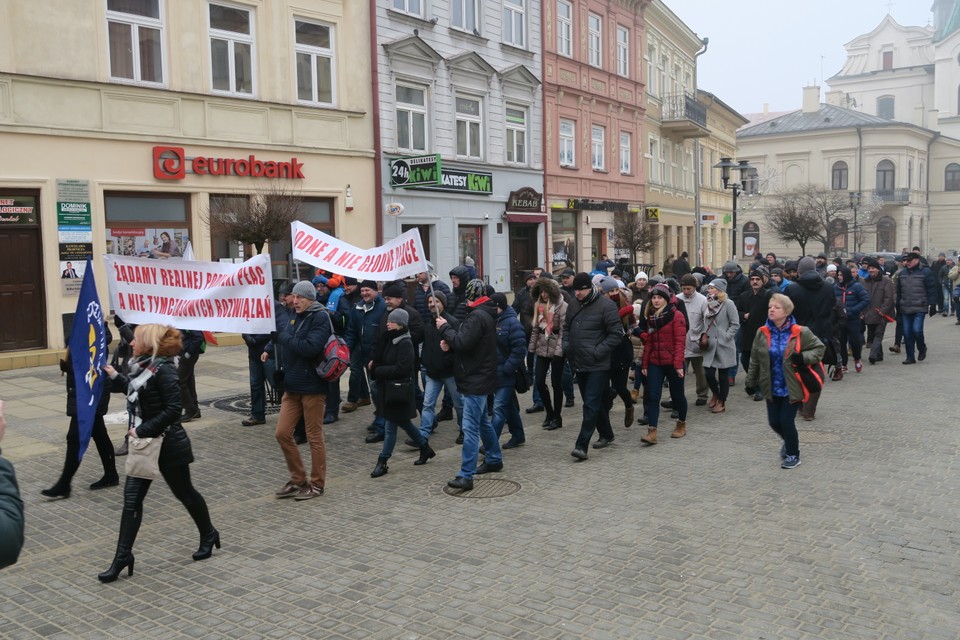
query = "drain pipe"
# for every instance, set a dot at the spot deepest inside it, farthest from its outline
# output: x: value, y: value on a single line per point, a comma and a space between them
x: 926, y: 193
x: 698, y: 162
x: 377, y: 146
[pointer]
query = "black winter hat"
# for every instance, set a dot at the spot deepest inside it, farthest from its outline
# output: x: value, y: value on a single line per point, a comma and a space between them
x: 394, y: 290
x: 582, y: 281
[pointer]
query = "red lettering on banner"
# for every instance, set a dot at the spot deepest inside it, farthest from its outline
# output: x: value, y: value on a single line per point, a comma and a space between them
x: 309, y: 244
x: 330, y: 256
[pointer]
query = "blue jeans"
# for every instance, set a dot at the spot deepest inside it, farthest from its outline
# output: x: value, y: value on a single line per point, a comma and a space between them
x: 532, y: 370
x: 507, y: 411
x: 258, y: 396
x: 593, y: 393
x: 378, y: 420
x: 357, y: 387
x: 947, y: 298
x: 567, y: 380
x: 477, y: 428
x: 333, y: 399
x: 782, y: 415
x: 655, y: 376
x: 432, y: 388
x: 390, y: 436
x: 913, y: 333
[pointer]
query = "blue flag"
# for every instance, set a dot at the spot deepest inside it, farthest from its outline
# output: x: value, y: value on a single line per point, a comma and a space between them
x: 88, y: 351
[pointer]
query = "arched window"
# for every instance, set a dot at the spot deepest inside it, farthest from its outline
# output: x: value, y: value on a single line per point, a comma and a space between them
x: 838, y: 236
x: 839, y: 176
x: 886, y: 179
x: 886, y: 234
x: 885, y: 107
x: 951, y: 177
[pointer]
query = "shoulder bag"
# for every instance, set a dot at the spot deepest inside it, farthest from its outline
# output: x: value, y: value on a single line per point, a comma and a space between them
x: 143, y: 458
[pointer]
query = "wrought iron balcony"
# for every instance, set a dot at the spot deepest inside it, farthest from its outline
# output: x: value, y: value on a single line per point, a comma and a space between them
x: 894, y: 196
x: 682, y: 116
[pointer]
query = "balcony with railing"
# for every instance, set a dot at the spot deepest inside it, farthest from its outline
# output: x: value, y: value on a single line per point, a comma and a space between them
x: 893, y: 196
x: 682, y: 116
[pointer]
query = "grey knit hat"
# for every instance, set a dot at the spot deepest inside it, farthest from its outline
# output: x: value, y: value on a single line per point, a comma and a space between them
x: 305, y: 289
x: 806, y: 264
x: 399, y: 316
x: 719, y: 283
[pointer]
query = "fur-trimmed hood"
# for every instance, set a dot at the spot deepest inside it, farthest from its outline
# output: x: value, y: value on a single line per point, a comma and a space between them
x: 545, y: 284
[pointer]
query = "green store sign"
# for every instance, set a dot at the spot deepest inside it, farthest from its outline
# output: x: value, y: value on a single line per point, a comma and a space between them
x: 455, y: 180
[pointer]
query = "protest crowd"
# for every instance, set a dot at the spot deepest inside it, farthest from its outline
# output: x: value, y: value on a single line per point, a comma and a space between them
x: 426, y: 351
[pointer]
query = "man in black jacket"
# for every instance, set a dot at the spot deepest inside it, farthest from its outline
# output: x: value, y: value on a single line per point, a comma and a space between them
x: 814, y: 302
x: 474, y: 347
x: 589, y: 338
x: 752, y: 306
x: 438, y: 366
x: 193, y: 346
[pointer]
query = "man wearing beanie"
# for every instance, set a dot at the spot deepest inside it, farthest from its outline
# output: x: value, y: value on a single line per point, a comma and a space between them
x: 394, y: 295
x: 696, y: 305
x: 425, y: 285
x: 813, y: 306
x: 302, y: 340
x: 880, y: 291
x: 752, y: 305
x: 511, y: 352
x: 474, y: 346
x: 589, y: 338
x: 916, y: 291
x: 362, y: 329
x: 437, y: 364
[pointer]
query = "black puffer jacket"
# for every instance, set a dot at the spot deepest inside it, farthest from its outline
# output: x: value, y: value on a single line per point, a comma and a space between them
x: 302, y: 341
x: 591, y: 334
x: 437, y: 362
x: 457, y: 298
x: 160, y: 410
x: 813, y: 304
x: 736, y: 285
x: 397, y: 363
x: 474, y: 347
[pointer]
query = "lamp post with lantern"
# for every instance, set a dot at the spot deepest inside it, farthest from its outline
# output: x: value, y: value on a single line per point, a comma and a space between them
x: 725, y: 165
x: 855, y: 205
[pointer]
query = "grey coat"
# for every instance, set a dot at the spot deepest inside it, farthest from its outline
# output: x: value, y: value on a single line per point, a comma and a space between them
x: 722, y: 329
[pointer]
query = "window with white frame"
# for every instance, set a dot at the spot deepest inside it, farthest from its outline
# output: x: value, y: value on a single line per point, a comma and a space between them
x: 688, y: 169
x: 565, y: 28
x: 469, y: 125
x: 516, y: 135
x: 135, y: 38
x: 594, y: 38
x: 231, y: 49
x: 413, y: 7
x: 666, y: 154
x: 623, y: 51
x: 315, y: 68
x: 412, y: 118
x: 567, y: 143
x: 514, y: 22
x: 464, y: 14
x: 653, y: 160
x: 597, y: 160
x: 626, y: 152
x: 651, y: 71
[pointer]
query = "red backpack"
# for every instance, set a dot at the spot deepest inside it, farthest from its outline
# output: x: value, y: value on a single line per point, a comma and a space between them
x: 335, y: 359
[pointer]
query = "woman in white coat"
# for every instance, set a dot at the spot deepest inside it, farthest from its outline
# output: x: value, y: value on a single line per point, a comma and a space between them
x: 721, y: 322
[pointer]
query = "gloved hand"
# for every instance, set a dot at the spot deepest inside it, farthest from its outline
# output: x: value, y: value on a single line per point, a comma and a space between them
x: 186, y: 355
x: 933, y: 310
x: 797, y: 359
x: 750, y: 390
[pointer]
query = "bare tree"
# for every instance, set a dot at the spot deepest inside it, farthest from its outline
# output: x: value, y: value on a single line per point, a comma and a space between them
x: 792, y: 221
x: 262, y: 217
x: 868, y: 215
x: 633, y: 232
x: 830, y: 208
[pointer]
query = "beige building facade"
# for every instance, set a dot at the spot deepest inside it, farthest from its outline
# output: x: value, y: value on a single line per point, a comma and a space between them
x: 121, y: 122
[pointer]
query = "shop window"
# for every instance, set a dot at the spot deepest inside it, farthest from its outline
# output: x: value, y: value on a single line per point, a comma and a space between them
x: 135, y: 38
x: 147, y: 225
x: 318, y: 213
x: 314, y: 52
x: 564, y: 240
x: 231, y: 49
x: 470, y: 244
x: 222, y: 248
x: 424, y: 230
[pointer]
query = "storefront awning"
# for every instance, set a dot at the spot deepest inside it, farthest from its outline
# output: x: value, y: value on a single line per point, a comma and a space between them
x: 532, y: 218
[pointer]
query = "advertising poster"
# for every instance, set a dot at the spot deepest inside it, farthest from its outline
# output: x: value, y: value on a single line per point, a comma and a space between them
x: 159, y: 243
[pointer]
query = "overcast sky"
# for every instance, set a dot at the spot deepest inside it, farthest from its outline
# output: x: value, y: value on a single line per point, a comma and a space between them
x: 767, y: 51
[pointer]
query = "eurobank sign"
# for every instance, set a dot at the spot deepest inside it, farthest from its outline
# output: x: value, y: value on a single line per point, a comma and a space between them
x: 172, y: 163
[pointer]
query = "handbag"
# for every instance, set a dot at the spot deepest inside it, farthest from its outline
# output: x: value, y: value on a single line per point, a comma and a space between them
x: 704, y: 340
x: 143, y: 458
x: 397, y: 391
x: 522, y: 382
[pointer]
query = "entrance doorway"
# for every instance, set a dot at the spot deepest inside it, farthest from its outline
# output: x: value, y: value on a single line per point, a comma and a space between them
x: 24, y: 321
x: 523, y: 252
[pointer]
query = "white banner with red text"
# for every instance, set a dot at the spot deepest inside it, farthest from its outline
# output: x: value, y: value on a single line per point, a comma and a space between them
x: 203, y: 296
x: 398, y: 258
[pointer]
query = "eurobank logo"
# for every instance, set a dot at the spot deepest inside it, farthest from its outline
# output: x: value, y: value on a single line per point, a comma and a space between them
x: 172, y: 163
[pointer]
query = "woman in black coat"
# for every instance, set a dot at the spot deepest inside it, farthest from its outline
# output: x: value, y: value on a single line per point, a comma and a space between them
x: 153, y: 401
x: 397, y: 364
x: 100, y: 437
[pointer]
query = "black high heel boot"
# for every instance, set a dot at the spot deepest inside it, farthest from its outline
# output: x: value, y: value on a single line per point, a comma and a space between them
x: 123, y: 558
x: 381, y: 468
x: 425, y: 454
x: 207, y: 543
x: 56, y: 492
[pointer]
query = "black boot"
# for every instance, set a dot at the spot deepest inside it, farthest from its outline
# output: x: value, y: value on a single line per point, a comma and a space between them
x: 556, y: 424
x: 57, y: 491
x: 123, y: 558
x: 106, y: 481
x: 381, y: 468
x: 425, y: 454
x: 209, y: 537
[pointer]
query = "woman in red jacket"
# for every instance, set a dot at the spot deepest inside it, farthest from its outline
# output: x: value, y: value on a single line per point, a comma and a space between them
x: 663, y: 358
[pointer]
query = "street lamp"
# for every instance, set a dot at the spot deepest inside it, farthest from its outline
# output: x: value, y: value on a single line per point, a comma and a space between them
x: 855, y: 204
x: 725, y: 165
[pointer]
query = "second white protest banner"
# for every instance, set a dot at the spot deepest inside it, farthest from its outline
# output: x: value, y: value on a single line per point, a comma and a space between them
x: 209, y: 296
x: 397, y: 258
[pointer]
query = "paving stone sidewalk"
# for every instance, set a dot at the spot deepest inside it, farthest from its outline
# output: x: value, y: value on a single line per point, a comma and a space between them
x: 700, y: 537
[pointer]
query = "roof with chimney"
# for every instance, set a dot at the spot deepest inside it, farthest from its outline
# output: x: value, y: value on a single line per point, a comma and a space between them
x: 826, y: 117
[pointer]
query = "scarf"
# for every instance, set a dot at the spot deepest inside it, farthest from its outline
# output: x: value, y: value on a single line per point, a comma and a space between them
x: 713, y: 306
x: 661, y: 318
x: 141, y: 370
x: 544, y: 316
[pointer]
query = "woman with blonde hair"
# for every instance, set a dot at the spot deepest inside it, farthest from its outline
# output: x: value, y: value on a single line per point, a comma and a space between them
x: 546, y: 341
x: 722, y: 323
x: 153, y: 403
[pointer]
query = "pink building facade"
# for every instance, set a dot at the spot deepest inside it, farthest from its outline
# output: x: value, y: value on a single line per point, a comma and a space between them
x: 593, y: 115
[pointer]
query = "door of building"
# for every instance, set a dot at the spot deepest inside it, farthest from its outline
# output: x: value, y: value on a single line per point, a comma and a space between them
x: 23, y: 322
x: 523, y: 252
